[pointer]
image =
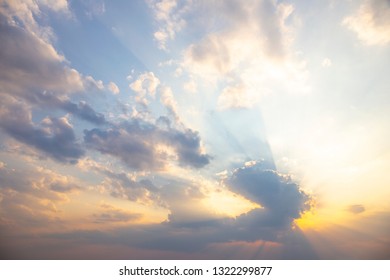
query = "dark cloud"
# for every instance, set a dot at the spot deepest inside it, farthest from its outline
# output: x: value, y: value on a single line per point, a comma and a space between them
x: 63, y: 187
x: 255, y: 233
x: 136, y: 150
x: 143, y: 145
x: 281, y: 198
x: 111, y: 214
x: 53, y: 136
x: 356, y: 208
x: 282, y: 201
x: 83, y: 111
x: 49, y: 100
x: 187, y: 145
x: 120, y: 185
x: 115, y: 217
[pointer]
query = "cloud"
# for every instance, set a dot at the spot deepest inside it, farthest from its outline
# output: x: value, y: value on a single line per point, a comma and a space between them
x: 371, y: 22
x: 30, y: 64
x: 145, y: 86
x: 247, y: 52
x: 113, y: 88
x: 34, y: 77
x: 121, y: 185
x: 53, y: 136
x: 143, y: 145
x: 251, y: 30
x: 83, y: 111
x: 211, y: 56
x: 169, y: 15
x: 111, y: 214
x: 56, y: 5
x: 33, y: 70
x: 168, y: 100
x: 192, y: 228
x: 94, y: 8
x: 337, y: 242
x: 356, y: 208
x: 236, y: 96
x: 281, y: 199
x: 25, y: 13
x: 278, y: 194
x: 32, y: 196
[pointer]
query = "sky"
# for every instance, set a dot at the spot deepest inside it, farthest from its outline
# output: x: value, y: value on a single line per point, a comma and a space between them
x: 164, y: 129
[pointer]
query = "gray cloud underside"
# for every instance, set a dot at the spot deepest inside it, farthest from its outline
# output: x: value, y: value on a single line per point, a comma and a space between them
x: 54, y: 136
x: 278, y: 194
x: 282, y: 202
x: 135, y: 142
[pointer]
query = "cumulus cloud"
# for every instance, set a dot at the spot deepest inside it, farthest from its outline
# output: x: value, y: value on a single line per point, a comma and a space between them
x: 30, y: 64
x: 121, y: 185
x: 53, y: 136
x: 371, y: 22
x: 145, y: 86
x: 192, y: 229
x: 253, y: 29
x: 282, y: 199
x: 113, y: 88
x: 143, y: 145
x: 247, y: 50
x: 83, y: 111
x: 210, y: 56
x: 35, y: 76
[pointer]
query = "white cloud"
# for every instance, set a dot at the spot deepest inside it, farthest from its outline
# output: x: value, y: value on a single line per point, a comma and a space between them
x: 113, y: 88
x: 56, y: 5
x: 249, y: 50
x: 53, y: 136
x: 30, y: 63
x: 145, y: 86
x: 371, y: 22
x: 169, y: 15
x: 234, y: 97
x: 168, y: 100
